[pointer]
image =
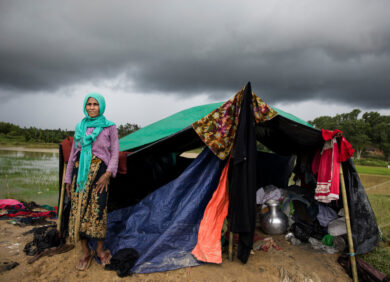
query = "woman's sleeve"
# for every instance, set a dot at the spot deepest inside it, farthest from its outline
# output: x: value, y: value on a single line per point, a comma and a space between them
x: 69, y: 168
x: 113, y: 163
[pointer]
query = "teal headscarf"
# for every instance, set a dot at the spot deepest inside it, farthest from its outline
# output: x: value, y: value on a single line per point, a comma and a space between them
x: 85, y: 141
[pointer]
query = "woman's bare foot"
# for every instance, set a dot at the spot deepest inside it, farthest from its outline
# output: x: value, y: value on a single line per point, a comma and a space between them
x: 85, y: 261
x: 105, y: 257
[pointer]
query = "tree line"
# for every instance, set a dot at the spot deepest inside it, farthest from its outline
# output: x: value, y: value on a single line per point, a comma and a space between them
x: 370, y: 130
x: 33, y: 134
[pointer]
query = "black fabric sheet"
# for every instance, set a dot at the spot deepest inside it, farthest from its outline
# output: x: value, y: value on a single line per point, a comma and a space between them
x: 144, y: 175
x: 363, y: 222
x: 242, y: 194
x: 287, y: 137
x: 273, y: 169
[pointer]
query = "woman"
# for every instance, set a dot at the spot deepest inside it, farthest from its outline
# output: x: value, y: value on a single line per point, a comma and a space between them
x: 93, y: 161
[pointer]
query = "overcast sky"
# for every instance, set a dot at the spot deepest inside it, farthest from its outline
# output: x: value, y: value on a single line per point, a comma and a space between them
x: 151, y: 59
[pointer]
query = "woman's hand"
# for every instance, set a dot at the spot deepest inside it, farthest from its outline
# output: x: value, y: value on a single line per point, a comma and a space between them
x: 67, y: 187
x: 103, y: 182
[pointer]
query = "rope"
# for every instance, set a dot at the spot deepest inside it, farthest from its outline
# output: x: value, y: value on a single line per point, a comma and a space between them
x: 374, y: 187
x: 384, y: 225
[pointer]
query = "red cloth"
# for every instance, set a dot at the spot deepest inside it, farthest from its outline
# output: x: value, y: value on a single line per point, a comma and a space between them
x: 346, y: 149
x: 326, y: 164
x: 122, y: 164
x: 329, y: 134
x: 66, y: 146
x: 31, y: 214
x: 208, y: 247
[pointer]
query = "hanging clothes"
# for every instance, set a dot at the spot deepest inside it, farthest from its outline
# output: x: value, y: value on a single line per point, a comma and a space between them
x: 218, y: 129
x: 326, y: 164
x: 346, y: 149
x: 242, y: 193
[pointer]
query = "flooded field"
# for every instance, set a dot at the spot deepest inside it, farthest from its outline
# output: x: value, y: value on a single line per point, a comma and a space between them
x: 29, y: 176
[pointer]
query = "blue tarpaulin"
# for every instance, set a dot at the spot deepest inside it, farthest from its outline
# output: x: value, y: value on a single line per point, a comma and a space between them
x: 163, y: 227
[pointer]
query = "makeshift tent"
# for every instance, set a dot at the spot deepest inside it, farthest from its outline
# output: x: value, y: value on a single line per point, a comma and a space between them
x: 165, y: 204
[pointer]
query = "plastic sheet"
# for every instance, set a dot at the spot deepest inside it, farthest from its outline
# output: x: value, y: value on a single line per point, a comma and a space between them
x: 363, y: 222
x: 163, y: 227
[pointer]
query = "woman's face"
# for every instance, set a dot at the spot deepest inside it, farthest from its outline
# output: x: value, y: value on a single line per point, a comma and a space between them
x: 92, y: 107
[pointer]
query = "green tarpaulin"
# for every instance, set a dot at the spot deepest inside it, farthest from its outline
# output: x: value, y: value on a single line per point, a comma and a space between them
x: 176, y: 122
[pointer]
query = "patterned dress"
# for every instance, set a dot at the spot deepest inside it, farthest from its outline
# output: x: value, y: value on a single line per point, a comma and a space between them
x: 88, y: 215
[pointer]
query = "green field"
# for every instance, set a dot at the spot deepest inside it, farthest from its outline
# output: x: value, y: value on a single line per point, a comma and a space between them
x: 19, y: 141
x: 372, y: 170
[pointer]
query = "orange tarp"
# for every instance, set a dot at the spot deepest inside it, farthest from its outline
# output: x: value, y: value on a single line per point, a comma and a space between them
x: 208, y: 247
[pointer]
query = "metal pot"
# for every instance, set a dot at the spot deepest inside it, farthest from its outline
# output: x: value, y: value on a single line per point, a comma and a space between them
x: 274, y: 221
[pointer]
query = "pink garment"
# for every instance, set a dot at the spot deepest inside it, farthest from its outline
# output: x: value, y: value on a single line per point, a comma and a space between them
x: 208, y: 247
x: 326, y: 164
x: 105, y: 147
x: 9, y: 202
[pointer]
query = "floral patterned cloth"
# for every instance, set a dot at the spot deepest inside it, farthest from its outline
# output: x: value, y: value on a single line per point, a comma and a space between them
x: 218, y: 129
x: 92, y: 223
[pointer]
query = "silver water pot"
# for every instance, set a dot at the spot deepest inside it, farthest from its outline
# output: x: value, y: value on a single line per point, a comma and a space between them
x: 274, y: 221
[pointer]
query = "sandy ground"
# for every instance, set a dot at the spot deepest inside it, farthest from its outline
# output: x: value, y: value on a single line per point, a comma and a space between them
x: 291, y: 263
x: 24, y: 149
x: 189, y: 155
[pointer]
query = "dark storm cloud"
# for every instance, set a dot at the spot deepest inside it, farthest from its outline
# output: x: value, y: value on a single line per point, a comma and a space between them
x: 289, y: 50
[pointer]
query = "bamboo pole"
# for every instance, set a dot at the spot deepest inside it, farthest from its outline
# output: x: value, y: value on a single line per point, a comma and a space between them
x: 231, y: 246
x: 78, y: 217
x: 60, y: 208
x: 6, y: 183
x: 348, y: 223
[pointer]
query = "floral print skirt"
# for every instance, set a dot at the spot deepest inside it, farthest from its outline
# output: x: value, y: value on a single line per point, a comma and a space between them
x: 88, y: 215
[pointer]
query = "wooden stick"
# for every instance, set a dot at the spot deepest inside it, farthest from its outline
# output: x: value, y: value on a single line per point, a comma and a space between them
x: 61, y: 200
x: 231, y: 246
x: 348, y: 223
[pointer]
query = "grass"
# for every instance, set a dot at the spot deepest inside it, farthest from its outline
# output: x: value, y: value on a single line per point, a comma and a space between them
x: 376, y: 184
x: 377, y: 187
x: 381, y: 206
x: 380, y: 258
x: 19, y: 141
x: 371, y: 162
x: 372, y: 170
